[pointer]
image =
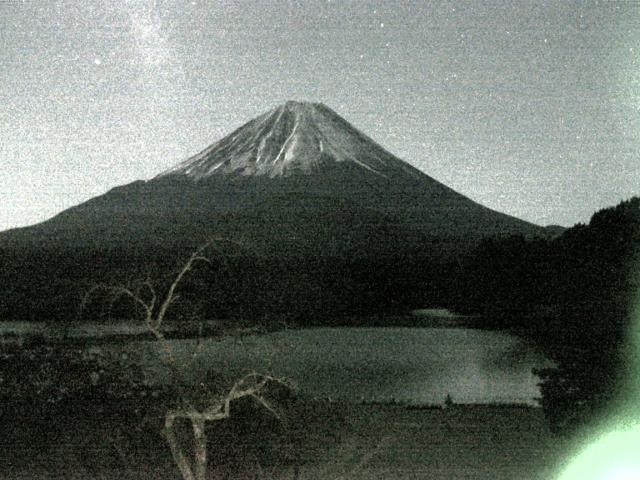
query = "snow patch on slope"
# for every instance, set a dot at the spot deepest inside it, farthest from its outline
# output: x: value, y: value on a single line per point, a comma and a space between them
x: 295, y: 137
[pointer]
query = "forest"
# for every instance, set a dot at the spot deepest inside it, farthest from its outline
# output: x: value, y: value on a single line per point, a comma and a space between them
x: 574, y: 295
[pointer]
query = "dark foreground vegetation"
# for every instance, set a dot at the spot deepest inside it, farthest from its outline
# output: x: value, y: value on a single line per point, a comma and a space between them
x: 71, y: 418
x: 574, y: 295
x: 67, y: 413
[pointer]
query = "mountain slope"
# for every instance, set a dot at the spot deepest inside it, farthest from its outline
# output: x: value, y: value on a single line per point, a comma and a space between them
x: 313, y: 212
x: 299, y: 163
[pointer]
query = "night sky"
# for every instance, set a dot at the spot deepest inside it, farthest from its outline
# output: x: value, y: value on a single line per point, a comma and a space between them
x: 530, y: 108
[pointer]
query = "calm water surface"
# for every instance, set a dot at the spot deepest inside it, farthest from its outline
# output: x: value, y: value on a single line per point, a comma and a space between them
x: 414, y: 365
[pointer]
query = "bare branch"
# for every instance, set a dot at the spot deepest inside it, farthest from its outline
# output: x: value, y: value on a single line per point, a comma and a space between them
x: 201, y: 259
x: 178, y: 455
x: 171, y: 297
x: 149, y: 285
x: 266, y: 405
x: 124, y: 291
x: 200, y: 447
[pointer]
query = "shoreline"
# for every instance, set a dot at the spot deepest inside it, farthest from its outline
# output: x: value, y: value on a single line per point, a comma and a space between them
x: 42, y: 332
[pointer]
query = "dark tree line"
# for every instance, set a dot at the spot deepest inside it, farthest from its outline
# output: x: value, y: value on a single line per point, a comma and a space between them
x: 48, y: 284
x: 574, y: 295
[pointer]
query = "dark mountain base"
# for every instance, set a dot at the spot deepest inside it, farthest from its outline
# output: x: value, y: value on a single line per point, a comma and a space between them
x: 52, y: 285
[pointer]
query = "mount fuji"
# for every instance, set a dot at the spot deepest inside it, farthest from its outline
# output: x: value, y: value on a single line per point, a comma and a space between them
x: 298, y: 163
x: 298, y: 196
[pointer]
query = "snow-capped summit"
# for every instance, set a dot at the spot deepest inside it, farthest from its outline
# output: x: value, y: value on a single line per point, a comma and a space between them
x: 297, y: 137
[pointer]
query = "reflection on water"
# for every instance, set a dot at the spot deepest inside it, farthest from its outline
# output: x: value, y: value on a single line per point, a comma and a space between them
x: 413, y: 365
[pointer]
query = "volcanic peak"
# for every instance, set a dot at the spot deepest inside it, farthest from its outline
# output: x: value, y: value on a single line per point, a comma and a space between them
x: 296, y: 137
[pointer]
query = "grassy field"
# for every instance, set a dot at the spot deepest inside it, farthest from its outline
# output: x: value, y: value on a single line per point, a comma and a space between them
x: 462, y: 442
x: 351, y: 442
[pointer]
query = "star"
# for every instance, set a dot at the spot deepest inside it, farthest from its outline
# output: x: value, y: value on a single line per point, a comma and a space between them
x: 97, y: 61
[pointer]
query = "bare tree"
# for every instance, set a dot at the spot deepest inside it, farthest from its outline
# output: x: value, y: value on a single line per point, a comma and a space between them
x: 251, y: 385
x: 198, y: 412
x: 154, y: 308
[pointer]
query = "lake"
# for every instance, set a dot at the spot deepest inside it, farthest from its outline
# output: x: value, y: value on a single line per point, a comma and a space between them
x: 411, y: 365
